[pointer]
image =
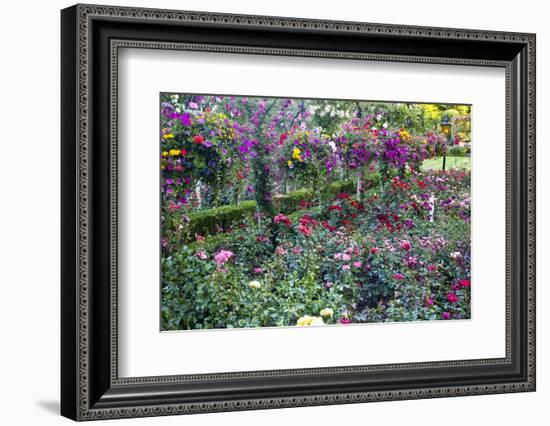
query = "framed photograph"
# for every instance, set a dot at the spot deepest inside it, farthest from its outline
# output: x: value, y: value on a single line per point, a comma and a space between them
x: 263, y: 212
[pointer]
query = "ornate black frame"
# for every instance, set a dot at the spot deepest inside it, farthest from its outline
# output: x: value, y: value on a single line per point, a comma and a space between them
x: 91, y: 37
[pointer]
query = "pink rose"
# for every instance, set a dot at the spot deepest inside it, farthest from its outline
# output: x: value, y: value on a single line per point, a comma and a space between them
x: 222, y: 257
x: 280, y: 251
x: 296, y: 250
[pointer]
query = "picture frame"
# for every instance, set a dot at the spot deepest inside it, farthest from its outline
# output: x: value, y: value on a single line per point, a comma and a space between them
x: 91, y: 388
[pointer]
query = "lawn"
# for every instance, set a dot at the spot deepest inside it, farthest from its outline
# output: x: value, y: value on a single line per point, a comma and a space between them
x: 457, y: 163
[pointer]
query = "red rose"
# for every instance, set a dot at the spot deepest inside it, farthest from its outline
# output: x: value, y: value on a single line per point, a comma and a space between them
x: 198, y: 139
x: 405, y: 245
x: 464, y: 283
x: 374, y: 250
x: 305, y: 230
x: 451, y: 297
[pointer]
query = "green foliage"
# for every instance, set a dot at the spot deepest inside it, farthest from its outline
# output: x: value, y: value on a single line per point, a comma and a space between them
x: 291, y: 201
x: 458, y: 151
x: 196, y: 295
x: 341, y: 186
x: 219, y: 219
x: 374, y: 261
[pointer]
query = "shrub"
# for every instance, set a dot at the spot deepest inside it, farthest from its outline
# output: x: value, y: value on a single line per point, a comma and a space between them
x: 458, y: 151
x: 371, y: 180
x: 342, y: 186
x: 291, y: 202
x: 212, y: 242
x: 219, y: 219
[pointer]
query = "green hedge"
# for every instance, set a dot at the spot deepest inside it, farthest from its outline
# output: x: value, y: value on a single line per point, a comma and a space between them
x: 290, y: 202
x: 342, y: 186
x: 220, y: 219
x: 372, y: 180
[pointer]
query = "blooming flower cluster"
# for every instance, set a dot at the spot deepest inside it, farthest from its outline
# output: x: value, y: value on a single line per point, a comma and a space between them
x: 222, y: 257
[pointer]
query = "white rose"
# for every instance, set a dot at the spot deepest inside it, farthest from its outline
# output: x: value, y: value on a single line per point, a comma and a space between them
x: 317, y: 321
x: 327, y: 312
x: 254, y: 284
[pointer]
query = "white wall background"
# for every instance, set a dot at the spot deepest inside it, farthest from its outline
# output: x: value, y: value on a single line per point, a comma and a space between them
x: 29, y: 211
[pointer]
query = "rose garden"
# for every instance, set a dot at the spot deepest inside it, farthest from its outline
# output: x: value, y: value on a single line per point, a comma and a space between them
x: 285, y: 212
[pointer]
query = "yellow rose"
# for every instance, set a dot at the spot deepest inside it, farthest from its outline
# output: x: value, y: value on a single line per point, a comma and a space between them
x: 303, y: 321
x: 307, y: 320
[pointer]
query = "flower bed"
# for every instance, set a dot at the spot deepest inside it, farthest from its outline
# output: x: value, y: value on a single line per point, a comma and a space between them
x: 398, y: 256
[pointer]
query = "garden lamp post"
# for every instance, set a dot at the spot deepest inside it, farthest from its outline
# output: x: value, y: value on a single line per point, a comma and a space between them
x: 446, y: 129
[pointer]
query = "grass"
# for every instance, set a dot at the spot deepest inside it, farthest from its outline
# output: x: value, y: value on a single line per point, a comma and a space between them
x: 460, y: 163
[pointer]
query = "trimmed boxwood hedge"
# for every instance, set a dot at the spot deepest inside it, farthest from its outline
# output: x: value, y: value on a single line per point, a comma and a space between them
x: 291, y: 202
x: 220, y: 219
